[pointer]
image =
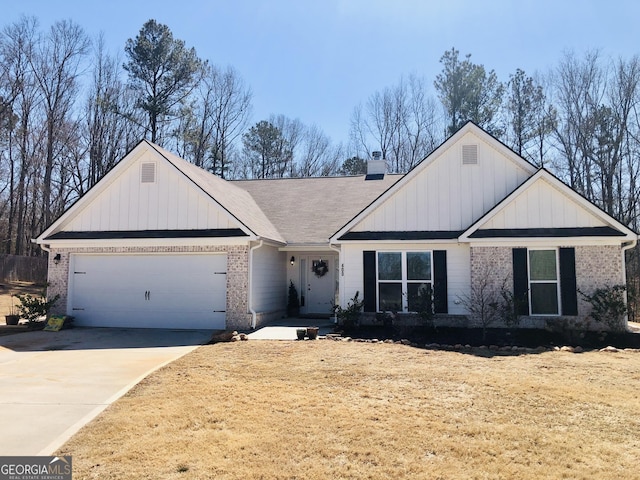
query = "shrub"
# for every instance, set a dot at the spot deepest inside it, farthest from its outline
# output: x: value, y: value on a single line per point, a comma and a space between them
x: 348, y: 317
x: 293, y: 303
x: 608, y: 306
x: 32, y: 307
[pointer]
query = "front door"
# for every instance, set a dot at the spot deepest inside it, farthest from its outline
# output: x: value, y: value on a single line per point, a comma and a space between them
x: 318, y: 275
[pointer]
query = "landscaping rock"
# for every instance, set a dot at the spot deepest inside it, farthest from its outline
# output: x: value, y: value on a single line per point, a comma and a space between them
x: 609, y: 349
x: 223, y: 337
x: 567, y: 348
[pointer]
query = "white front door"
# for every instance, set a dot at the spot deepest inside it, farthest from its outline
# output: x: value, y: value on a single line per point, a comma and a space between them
x: 318, y: 276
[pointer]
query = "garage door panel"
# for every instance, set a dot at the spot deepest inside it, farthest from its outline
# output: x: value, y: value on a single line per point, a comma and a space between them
x: 149, y: 291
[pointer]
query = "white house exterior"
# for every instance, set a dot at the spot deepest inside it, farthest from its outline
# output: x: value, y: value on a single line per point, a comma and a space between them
x: 161, y: 243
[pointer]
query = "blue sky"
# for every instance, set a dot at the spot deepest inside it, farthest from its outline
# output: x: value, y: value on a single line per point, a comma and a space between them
x: 317, y: 60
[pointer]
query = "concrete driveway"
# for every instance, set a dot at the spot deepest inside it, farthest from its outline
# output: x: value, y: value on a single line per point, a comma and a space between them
x: 53, y: 383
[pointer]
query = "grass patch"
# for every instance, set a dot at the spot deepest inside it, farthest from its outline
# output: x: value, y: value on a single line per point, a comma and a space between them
x: 318, y: 410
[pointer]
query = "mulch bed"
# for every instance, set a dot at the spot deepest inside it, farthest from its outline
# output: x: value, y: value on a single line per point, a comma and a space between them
x: 523, y: 337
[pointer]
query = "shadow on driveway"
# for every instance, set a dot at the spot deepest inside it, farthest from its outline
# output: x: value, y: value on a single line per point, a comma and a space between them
x: 83, y: 338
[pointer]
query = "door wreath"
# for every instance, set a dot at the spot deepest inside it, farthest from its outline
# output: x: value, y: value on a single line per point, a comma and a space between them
x: 319, y: 267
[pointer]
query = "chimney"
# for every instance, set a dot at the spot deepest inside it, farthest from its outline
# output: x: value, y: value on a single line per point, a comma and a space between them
x: 376, y: 167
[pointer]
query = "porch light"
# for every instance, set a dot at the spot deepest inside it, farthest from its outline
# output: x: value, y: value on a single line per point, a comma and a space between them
x: 293, y: 260
x: 56, y: 259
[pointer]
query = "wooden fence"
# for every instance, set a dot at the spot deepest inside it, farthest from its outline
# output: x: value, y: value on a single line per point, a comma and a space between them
x: 14, y: 268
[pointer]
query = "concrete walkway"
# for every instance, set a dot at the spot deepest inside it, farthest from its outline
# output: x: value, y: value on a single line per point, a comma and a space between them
x: 285, y: 329
x: 53, y: 383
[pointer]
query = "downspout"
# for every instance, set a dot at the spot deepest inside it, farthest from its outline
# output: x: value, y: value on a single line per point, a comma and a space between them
x: 254, y: 314
x: 340, y: 280
x: 629, y: 246
x: 626, y: 247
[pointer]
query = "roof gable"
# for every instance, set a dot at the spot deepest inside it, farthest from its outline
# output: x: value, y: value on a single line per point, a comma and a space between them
x: 174, y: 196
x: 449, y: 190
x: 544, y: 206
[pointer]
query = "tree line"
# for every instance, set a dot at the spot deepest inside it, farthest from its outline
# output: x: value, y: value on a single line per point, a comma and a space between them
x: 70, y: 110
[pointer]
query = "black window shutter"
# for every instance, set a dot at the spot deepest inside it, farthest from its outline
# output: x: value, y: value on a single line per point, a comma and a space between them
x: 440, y: 303
x: 568, y: 290
x: 520, y: 281
x: 370, y: 280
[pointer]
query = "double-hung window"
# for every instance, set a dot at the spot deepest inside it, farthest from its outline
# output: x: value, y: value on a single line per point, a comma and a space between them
x: 403, y: 277
x: 544, y: 287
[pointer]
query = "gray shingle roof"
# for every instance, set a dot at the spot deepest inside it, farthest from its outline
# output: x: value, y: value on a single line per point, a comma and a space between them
x: 307, y: 211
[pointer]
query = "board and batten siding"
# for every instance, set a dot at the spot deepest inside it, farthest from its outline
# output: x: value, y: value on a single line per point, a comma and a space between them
x: 458, y: 270
x: 172, y: 202
x: 541, y: 205
x: 446, y: 194
x: 269, y: 280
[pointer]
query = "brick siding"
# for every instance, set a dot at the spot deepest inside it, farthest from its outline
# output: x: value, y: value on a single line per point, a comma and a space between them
x: 596, y: 267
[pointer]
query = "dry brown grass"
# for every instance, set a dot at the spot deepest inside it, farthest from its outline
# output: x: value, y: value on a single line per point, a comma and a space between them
x: 332, y: 410
x: 8, y: 289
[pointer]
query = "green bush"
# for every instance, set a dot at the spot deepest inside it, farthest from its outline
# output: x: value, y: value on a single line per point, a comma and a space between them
x: 348, y: 317
x: 32, y: 307
x: 608, y: 306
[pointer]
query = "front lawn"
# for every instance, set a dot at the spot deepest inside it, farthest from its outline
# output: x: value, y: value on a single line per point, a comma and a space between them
x: 331, y: 410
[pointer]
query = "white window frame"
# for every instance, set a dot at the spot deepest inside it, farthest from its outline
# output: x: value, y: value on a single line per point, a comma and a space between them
x: 557, y: 281
x: 404, y: 280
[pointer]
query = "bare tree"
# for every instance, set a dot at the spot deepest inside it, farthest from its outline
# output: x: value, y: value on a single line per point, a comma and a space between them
x: 231, y: 109
x: 580, y: 88
x: 421, y: 125
x: 108, y: 133
x: 214, y: 119
x: 400, y: 121
x: 292, y: 131
x: 317, y: 156
x: 16, y: 51
x: 56, y: 67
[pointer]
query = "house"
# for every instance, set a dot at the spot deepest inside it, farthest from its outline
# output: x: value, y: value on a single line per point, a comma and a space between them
x: 159, y: 242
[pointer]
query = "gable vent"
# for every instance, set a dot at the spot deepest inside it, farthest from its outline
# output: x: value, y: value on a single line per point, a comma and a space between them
x: 148, y: 172
x: 469, y: 154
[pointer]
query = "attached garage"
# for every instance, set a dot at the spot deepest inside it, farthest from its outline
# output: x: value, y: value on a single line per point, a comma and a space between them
x: 181, y: 291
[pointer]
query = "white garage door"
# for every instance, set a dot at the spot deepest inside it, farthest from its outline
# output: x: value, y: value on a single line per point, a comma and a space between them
x: 148, y: 291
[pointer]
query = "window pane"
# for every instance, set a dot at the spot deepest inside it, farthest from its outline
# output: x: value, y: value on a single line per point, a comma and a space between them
x: 389, y: 266
x: 390, y: 297
x: 419, y: 297
x: 419, y: 266
x: 542, y: 264
x: 544, y: 298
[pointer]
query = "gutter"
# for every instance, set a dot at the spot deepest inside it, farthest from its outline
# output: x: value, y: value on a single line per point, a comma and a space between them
x: 254, y: 314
